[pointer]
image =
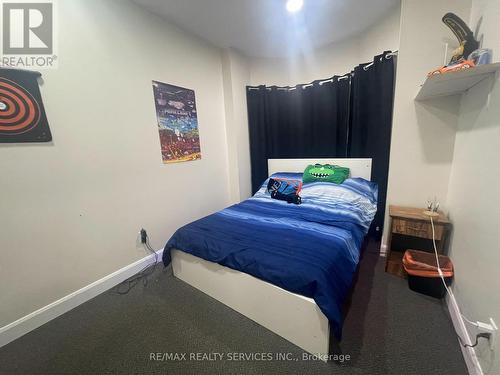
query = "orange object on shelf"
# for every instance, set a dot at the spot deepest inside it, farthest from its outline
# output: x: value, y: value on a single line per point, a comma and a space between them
x: 462, y: 65
x: 423, y: 264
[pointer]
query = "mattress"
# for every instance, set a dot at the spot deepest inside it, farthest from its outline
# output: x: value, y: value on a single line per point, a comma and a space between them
x: 311, y: 249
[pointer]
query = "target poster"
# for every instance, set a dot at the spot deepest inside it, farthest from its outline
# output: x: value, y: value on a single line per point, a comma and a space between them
x: 22, y: 116
x: 177, y: 123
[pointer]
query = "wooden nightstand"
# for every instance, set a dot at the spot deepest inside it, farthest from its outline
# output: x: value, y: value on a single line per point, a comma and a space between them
x: 411, y: 229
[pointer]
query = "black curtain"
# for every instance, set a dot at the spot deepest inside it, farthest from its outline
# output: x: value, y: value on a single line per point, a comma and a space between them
x: 348, y: 116
x: 297, y: 122
x: 372, y: 94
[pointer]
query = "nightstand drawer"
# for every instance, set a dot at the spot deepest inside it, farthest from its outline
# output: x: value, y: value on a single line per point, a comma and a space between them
x: 416, y: 228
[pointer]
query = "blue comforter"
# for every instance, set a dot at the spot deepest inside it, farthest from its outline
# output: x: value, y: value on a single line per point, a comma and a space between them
x: 311, y: 249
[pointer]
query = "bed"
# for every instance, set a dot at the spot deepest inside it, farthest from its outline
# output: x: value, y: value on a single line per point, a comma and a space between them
x: 287, y: 267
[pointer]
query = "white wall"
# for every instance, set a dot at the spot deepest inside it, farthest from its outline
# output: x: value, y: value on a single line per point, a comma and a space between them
x: 473, y: 194
x: 334, y: 59
x: 380, y: 37
x: 71, y: 210
x: 236, y: 75
x: 423, y: 133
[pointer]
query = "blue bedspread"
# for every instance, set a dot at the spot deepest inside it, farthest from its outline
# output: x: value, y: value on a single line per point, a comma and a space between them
x: 311, y: 249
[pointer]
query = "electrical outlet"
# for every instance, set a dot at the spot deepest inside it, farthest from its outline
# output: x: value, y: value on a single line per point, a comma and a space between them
x: 144, y: 235
x: 490, y: 328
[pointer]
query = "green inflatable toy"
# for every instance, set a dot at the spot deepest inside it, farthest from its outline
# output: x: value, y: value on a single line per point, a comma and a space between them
x: 325, y: 173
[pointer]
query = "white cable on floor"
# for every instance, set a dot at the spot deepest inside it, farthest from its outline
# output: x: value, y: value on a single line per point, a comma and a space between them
x: 440, y: 272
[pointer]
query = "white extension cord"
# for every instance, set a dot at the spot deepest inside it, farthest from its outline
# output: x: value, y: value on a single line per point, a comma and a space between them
x: 440, y: 272
x: 484, y: 330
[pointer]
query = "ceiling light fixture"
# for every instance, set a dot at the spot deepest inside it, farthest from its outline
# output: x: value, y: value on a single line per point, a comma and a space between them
x: 294, y: 5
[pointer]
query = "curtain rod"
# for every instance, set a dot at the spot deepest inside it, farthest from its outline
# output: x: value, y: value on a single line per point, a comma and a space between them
x: 305, y: 85
x: 387, y: 56
x: 345, y: 76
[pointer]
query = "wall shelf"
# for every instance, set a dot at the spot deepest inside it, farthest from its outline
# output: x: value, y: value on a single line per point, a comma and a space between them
x: 455, y: 83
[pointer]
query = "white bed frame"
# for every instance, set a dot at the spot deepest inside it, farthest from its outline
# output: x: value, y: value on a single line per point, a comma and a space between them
x: 294, y: 317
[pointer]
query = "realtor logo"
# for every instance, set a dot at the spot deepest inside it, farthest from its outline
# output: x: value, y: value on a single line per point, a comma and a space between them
x: 28, y: 34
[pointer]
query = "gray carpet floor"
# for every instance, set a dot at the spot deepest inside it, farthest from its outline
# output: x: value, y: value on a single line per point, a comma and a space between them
x: 388, y: 330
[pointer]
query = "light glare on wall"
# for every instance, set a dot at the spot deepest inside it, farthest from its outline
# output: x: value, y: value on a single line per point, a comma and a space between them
x: 294, y: 5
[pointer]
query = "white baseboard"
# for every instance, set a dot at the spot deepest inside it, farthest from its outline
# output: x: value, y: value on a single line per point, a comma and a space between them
x: 27, y: 323
x: 470, y: 357
x: 383, y: 250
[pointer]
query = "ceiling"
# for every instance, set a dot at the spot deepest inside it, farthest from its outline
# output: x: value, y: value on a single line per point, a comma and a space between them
x: 264, y: 28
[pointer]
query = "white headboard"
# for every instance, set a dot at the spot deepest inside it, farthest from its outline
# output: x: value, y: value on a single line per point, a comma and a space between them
x: 359, y: 167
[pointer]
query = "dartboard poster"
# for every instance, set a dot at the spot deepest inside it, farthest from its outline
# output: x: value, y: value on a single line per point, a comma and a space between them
x: 22, y: 116
x: 177, y: 123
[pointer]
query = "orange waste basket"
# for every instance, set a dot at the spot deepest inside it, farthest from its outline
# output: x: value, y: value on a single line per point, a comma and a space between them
x: 423, y: 275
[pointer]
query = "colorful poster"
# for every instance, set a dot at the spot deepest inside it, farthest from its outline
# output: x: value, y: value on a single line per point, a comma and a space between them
x: 177, y: 123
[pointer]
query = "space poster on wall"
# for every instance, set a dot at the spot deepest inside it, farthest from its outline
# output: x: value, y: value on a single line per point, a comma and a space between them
x: 177, y: 123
